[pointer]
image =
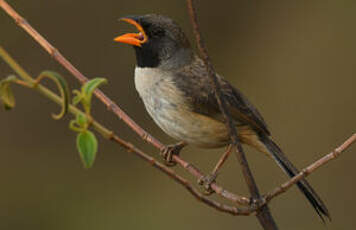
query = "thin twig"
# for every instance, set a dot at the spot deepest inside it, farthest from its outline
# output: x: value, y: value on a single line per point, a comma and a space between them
x: 263, y: 215
x: 77, y: 74
x: 311, y: 168
x: 114, y: 107
x: 260, y: 207
x: 27, y: 78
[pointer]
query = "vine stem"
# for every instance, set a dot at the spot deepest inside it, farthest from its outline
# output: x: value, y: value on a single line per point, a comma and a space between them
x: 108, y: 134
x: 259, y: 208
x: 113, y: 106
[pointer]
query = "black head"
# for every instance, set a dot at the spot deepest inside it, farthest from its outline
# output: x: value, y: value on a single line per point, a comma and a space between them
x: 159, y: 43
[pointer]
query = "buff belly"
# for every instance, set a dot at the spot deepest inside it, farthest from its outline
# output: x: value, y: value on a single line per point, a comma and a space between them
x: 165, y: 104
x: 187, y: 126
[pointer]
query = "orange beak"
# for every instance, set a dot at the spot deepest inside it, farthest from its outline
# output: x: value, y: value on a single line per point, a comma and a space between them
x: 136, y: 39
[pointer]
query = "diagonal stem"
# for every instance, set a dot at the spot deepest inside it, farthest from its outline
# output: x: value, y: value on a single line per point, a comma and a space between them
x: 310, y: 169
x: 264, y: 215
x: 106, y: 133
x: 112, y: 106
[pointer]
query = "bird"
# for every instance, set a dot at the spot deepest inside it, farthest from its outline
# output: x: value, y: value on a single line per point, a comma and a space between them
x: 174, y: 85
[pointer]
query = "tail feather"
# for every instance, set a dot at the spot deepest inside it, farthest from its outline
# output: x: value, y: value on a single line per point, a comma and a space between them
x: 291, y: 170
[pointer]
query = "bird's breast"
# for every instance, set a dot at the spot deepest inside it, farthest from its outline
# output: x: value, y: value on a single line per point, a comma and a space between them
x: 169, y: 108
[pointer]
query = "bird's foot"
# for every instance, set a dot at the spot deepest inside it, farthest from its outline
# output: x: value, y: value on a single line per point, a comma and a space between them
x: 206, y: 182
x: 169, y: 151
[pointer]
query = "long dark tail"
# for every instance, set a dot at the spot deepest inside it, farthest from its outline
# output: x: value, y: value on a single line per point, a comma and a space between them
x: 291, y: 170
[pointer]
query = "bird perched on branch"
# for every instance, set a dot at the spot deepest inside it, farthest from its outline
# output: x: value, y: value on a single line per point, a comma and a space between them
x: 174, y: 85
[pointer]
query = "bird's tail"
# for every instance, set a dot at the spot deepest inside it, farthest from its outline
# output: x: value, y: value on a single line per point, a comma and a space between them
x: 277, y: 154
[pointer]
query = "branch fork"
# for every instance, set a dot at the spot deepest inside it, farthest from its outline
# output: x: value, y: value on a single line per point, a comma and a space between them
x: 255, y: 205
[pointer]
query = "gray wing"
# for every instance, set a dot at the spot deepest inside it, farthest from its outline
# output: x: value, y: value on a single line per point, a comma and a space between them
x: 194, y: 82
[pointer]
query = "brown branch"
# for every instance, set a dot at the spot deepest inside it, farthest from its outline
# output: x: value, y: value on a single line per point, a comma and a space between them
x: 28, y: 82
x: 212, y: 203
x: 263, y: 215
x: 114, y: 107
x: 262, y: 210
x: 77, y: 74
x: 311, y: 168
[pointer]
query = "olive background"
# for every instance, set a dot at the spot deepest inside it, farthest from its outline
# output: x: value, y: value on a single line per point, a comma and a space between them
x: 295, y: 60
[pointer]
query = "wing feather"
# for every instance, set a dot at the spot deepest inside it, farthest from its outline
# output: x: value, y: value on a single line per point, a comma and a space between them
x: 192, y: 81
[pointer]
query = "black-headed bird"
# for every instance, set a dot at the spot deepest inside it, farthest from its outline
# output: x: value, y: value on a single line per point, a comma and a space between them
x: 175, y: 87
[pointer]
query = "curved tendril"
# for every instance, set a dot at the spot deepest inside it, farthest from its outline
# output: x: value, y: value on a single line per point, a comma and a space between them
x: 63, y: 89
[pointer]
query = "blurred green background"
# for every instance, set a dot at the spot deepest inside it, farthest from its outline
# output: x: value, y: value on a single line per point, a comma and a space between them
x: 295, y: 60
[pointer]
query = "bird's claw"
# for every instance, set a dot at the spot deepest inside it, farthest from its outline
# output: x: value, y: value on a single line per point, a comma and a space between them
x: 206, y: 182
x: 169, y: 151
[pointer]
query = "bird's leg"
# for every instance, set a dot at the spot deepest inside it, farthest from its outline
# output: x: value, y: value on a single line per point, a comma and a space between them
x: 222, y: 159
x: 210, y: 178
x: 171, y: 150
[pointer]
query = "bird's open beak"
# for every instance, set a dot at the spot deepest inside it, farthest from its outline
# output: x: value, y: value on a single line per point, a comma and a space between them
x: 136, y: 39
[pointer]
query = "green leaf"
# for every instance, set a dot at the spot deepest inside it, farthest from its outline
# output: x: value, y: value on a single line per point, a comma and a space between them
x: 87, y: 92
x: 6, y: 95
x: 87, y: 145
x: 63, y: 88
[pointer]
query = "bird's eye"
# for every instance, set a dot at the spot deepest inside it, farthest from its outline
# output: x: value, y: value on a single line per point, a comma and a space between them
x: 157, y: 32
